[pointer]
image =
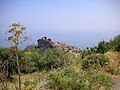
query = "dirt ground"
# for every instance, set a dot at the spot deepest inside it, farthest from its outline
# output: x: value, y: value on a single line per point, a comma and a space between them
x: 116, y: 83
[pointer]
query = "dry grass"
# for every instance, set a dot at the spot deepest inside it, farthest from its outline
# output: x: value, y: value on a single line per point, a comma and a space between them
x: 38, y: 77
x: 114, y: 63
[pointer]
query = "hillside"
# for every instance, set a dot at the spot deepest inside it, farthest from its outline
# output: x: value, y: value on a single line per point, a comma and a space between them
x: 54, y: 66
x: 114, y: 62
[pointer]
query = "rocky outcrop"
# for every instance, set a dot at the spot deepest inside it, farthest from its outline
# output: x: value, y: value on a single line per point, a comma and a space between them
x: 46, y: 43
x: 30, y: 47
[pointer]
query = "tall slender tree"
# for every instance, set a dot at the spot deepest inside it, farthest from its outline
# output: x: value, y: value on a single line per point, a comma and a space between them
x: 17, y: 37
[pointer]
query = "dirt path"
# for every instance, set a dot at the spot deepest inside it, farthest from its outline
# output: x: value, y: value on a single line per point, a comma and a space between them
x: 116, y: 83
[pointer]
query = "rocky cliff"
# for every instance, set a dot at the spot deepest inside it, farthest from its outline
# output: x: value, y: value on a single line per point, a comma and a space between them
x: 46, y: 43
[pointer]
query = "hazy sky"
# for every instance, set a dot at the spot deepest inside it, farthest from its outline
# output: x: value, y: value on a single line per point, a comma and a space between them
x: 77, y: 22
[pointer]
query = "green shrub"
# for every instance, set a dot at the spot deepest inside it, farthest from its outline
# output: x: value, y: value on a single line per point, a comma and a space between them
x: 30, y: 63
x: 95, y: 61
x: 28, y: 66
x: 70, y: 79
x: 54, y: 58
x: 103, y: 47
x: 7, y: 61
x: 63, y: 79
x: 29, y: 85
x: 50, y: 59
x: 116, y: 43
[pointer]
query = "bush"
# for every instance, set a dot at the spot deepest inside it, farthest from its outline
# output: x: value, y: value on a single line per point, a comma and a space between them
x: 103, y: 47
x: 7, y: 61
x: 70, y: 79
x: 114, y: 63
x: 54, y: 58
x: 28, y: 85
x: 116, y: 43
x: 95, y: 61
x: 31, y: 61
x: 28, y: 65
x: 50, y: 59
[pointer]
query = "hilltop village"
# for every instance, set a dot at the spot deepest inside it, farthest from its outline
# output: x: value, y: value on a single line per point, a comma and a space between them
x: 46, y: 43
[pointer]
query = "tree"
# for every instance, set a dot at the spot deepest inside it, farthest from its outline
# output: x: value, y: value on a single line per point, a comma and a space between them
x: 103, y: 46
x: 52, y: 59
x: 7, y: 61
x: 116, y: 43
x: 17, y: 37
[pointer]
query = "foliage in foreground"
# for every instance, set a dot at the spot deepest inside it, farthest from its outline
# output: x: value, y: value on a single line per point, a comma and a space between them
x: 8, y: 61
x: 95, y: 61
x: 103, y: 47
x: 48, y: 60
x: 87, y: 74
x: 54, y: 58
x: 114, y: 63
x: 70, y: 79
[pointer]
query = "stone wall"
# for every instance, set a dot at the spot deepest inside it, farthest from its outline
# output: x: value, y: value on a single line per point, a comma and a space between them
x: 46, y: 43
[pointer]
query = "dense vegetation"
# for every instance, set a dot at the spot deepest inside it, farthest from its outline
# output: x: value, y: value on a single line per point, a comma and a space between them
x: 104, y: 46
x: 61, y: 70
x: 70, y: 79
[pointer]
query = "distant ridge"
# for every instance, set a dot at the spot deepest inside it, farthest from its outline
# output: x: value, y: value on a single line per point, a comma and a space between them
x: 46, y: 43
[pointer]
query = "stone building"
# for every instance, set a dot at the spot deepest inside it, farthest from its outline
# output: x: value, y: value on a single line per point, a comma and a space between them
x: 46, y: 43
